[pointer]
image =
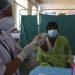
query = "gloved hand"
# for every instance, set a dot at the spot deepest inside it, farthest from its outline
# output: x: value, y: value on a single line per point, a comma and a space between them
x: 28, y: 50
x: 40, y: 39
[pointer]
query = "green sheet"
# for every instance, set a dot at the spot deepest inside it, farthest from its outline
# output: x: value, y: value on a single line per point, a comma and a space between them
x: 28, y: 29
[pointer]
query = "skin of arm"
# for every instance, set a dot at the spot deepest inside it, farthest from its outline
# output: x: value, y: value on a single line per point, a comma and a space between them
x: 12, y: 66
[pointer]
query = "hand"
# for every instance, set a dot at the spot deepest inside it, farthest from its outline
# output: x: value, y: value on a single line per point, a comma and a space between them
x: 28, y: 50
x: 68, y: 65
x: 40, y: 39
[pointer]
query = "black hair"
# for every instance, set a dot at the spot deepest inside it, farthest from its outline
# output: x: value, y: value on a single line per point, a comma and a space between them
x: 3, y: 4
x: 5, y: 8
x: 52, y: 24
x: 7, y: 11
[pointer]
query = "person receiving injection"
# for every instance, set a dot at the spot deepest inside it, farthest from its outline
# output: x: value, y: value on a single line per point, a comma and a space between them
x: 53, y: 49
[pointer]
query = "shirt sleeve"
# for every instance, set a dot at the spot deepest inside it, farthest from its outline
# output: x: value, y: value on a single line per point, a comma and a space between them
x: 2, y: 67
x: 68, y: 52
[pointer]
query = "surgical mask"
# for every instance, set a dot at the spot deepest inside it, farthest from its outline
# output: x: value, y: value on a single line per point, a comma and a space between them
x: 52, y: 33
x: 7, y: 23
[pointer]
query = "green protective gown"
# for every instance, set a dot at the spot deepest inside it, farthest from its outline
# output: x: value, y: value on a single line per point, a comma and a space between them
x: 59, y: 55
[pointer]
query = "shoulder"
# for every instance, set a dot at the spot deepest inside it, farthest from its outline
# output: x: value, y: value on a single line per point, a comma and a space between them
x: 62, y: 37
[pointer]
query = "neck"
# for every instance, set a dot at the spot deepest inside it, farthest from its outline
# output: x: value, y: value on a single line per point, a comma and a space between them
x: 52, y: 40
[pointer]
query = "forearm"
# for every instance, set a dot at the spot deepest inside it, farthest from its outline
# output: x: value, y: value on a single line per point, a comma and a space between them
x: 12, y: 66
x: 69, y: 56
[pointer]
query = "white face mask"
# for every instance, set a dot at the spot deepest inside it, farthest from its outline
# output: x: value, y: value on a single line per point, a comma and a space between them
x: 7, y: 23
x: 52, y: 33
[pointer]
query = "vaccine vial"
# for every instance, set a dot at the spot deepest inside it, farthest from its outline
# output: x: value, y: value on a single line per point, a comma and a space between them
x: 42, y: 40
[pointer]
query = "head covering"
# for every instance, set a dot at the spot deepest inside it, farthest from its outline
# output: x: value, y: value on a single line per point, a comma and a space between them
x: 4, y: 4
x: 7, y: 23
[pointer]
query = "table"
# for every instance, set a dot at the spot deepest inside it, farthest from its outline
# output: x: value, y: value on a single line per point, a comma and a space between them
x: 46, y: 70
